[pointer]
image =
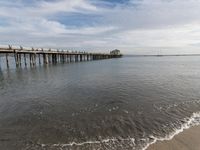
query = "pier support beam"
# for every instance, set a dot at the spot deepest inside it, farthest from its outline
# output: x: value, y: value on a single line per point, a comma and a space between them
x: 25, y: 60
x: 81, y: 57
x: 17, y: 59
x: 30, y: 59
x: 34, y: 59
x: 45, y: 58
x: 7, y: 63
x: 20, y: 60
x: 49, y: 58
x: 70, y: 58
x: 39, y: 59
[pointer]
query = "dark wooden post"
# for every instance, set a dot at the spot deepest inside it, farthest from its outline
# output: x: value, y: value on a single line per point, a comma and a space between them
x: 70, y: 58
x: 63, y: 57
x: 76, y: 58
x: 39, y: 58
x: 7, y: 60
x: 81, y: 57
x: 17, y: 60
x: 30, y: 55
x: 34, y: 59
x: 25, y: 60
x: 20, y: 63
x: 48, y: 58
x: 44, y: 59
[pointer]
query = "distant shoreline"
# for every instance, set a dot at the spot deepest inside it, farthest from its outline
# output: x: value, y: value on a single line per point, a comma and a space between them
x: 162, y: 55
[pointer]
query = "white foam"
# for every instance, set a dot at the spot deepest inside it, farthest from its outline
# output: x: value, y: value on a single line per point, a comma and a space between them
x: 190, y: 122
x: 92, y: 142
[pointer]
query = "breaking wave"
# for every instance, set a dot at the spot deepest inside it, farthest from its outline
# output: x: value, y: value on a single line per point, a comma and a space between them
x: 189, y: 122
x: 127, y: 143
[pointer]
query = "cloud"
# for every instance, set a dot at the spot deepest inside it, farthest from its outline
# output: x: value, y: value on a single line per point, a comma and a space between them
x: 104, y: 24
x: 43, y: 8
x: 154, y: 13
x: 162, y: 37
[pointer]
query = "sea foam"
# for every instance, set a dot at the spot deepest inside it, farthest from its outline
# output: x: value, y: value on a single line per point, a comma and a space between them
x: 188, y: 122
x: 194, y: 120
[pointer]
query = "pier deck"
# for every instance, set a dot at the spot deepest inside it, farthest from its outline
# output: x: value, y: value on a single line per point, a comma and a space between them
x: 47, y: 56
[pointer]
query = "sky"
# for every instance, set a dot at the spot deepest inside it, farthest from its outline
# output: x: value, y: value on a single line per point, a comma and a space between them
x: 133, y: 26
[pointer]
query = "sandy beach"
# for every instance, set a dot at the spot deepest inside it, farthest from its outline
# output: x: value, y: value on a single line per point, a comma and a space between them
x: 189, y: 139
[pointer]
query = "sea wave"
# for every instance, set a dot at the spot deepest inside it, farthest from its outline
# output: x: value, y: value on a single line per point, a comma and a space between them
x: 194, y: 120
x: 145, y: 142
x: 109, y: 141
x: 92, y: 142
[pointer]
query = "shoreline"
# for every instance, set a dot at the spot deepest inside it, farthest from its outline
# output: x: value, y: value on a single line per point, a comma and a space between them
x: 186, y: 140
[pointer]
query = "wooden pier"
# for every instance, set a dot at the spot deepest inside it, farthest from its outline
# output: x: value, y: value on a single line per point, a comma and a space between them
x: 48, y: 56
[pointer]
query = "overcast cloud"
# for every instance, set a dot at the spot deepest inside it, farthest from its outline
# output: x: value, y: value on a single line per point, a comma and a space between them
x: 135, y: 26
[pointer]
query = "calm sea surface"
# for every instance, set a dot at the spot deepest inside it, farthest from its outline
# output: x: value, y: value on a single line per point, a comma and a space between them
x: 115, y: 104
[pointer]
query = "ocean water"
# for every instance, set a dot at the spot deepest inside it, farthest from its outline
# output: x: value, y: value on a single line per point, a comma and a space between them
x: 126, y: 103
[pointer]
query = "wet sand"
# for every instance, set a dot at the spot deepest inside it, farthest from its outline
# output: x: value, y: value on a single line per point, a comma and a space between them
x: 189, y: 139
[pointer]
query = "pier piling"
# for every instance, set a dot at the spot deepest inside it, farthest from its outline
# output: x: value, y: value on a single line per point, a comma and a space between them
x: 37, y: 56
x: 7, y: 63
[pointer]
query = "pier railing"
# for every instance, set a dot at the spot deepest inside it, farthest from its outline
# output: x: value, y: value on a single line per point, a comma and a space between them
x: 46, y: 56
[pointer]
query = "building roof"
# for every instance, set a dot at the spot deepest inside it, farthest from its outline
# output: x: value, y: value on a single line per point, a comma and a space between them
x: 116, y: 50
